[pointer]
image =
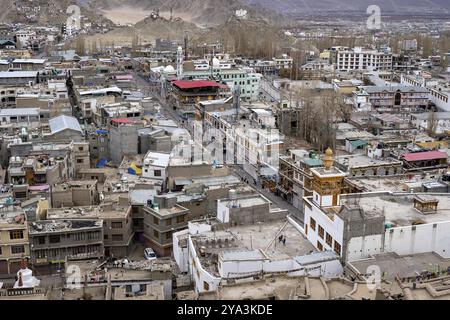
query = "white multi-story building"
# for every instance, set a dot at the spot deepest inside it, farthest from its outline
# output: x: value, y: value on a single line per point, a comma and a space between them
x: 358, y: 226
x: 361, y: 59
x: 283, y: 62
x: 439, y: 93
x: 155, y: 166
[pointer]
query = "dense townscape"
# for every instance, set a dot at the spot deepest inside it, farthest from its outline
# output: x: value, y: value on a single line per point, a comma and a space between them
x: 179, y: 159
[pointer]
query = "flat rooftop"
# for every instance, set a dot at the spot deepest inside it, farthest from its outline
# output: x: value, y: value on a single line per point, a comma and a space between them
x: 377, y: 183
x: 49, y: 226
x: 399, y: 208
x: 356, y: 161
x: 249, y: 201
x: 323, y: 172
x: 88, y: 212
x: 391, y: 264
x: 283, y: 288
x: 264, y: 236
x: 74, y: 184
x: 166, y: 212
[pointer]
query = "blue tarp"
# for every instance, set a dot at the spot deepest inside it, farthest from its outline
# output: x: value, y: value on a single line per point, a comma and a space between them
x: 102, y: 163
x: 101, y: 131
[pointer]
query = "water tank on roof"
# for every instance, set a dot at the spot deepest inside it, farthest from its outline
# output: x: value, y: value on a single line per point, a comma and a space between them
x: 169, y: 69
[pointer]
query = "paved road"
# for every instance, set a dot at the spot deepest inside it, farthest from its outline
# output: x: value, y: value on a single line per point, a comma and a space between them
x: 277, y: 201
x: 169, y: 113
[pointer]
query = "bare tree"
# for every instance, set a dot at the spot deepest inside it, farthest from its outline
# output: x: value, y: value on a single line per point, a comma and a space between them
x: 432, y: 123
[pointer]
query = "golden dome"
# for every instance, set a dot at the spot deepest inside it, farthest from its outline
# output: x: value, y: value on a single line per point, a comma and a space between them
x: 328, y: 159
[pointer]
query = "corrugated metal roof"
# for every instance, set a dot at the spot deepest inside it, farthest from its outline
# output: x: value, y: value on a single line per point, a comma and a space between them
x: 18, y: 74
x: 358, y: 143
x: 19, y: 112
x: 64, y: 122
x: 427, y: 155
x: 311, y: 162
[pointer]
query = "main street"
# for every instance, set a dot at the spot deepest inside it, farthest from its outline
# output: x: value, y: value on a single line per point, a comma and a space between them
x: 169, y: 113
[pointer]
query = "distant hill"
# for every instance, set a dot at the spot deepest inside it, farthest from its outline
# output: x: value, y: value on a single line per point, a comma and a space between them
x: 148, y: 30
x: 346, y: 6
x: 201, y: 12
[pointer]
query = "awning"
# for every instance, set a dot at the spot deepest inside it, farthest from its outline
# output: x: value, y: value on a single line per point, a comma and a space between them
x: 358, y: 143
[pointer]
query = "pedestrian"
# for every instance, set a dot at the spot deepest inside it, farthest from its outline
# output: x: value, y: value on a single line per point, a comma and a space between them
x: 284, y: 240
x: 280, y: 238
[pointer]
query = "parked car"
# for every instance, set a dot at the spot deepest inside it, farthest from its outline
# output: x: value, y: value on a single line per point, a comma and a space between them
x: 149, y: 254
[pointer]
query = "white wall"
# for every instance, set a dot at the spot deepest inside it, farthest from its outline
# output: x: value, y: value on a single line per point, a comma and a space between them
x: 324, y: 201
x: 223, y: 212
x: 425, y: 238
x: 180, y: 254
x: 196, y: 228
x: 150, y: 173
x: 335, y: 228
x: 364, y: 247
x: 200, y: 275
x: 233, y: 268
x: 328, y: 269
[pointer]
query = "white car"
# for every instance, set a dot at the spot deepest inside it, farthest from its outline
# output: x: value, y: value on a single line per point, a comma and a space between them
x: 149, y: 254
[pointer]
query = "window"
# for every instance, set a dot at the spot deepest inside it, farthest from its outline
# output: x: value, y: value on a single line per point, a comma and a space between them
x: 79, y: 160
x: 16, y: 234
x: 17, y: 249
x: 155, y: 220
x: 155, y: 234
x: 168, y: 222
x: 168, y: 235
x: 116, y: 225
x: 329, y: 240
x: 321, y: 232
x: 319, y: 246
x: 312, y: 222
x: 337, y: 248
x: 157, y: 173
x: 180, y: 219
x: 117, y: 237
x: 0, y: 251
x: 93, y: 235
x: 205, y: 286
x: 54, y: 239
x: 79, y: 236
x: 105, y: 237
x: 39, y: 240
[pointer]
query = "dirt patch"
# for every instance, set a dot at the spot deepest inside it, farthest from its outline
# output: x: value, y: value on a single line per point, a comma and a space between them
x: 126, y: 15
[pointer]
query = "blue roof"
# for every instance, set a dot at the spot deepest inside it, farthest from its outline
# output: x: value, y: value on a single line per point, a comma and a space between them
x: 102, y: 163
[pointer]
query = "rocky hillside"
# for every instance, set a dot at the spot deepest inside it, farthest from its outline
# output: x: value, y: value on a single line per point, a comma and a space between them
x: 200, y: 12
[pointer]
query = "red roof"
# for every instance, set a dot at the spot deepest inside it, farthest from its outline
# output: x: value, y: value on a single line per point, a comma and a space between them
x: 122, y: 120
x: 427, y: 155
x: 190, y: 84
